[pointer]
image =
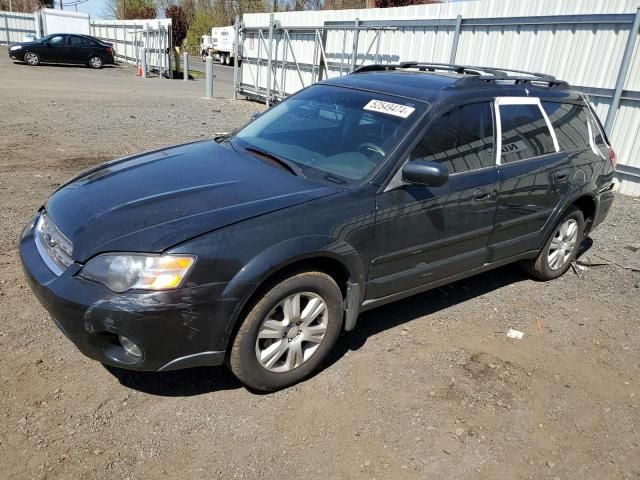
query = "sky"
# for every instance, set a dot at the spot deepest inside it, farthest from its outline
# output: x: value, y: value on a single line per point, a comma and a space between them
x: 96, y: 8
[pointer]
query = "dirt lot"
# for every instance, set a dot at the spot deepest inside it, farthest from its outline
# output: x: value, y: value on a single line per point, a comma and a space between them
x: 429, y: 387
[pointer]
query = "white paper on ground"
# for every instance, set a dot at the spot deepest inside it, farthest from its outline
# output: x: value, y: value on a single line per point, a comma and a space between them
x: 515, y: 334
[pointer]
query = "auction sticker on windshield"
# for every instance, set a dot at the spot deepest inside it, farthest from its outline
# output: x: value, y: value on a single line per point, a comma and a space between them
x: 389, y: 108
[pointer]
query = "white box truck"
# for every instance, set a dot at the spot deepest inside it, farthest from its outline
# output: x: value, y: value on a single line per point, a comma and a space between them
x: 220, y: 45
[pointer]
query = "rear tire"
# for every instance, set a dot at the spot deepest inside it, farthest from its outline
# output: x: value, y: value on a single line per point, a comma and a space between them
x: 282, y: 340
x: 32, y: 58
x: 560, y: 249
x: 95, y: 62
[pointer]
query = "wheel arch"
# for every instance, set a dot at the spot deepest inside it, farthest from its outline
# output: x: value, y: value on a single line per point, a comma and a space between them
x: 336, y: 258
x: 587, y: 204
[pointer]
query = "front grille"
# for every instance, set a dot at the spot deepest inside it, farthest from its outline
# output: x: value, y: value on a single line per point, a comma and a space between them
x: 54, y: 248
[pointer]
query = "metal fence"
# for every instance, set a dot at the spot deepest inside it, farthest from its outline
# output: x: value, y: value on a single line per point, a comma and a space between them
x: 596, y: 52
x: 14, y: 26
x: 131, y: 37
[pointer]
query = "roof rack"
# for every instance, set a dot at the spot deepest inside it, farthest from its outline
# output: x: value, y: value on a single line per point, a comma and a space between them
x: 473, y: 74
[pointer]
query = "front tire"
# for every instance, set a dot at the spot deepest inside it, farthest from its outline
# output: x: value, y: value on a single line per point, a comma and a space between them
x: 32, y: 58
x: 288, y: 333
x: 560, y: 249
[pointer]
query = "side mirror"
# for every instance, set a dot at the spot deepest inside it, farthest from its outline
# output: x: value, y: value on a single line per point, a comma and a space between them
x: 421, y: 172
x: 46, y: 44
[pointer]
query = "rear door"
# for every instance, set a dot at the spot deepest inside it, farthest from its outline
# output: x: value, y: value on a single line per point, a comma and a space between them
x: 424, y: 234
x: 534, y: 176
x: 78, y: 49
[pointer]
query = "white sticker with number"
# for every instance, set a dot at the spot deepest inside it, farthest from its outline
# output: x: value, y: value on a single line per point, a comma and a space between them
x: 389, y: 108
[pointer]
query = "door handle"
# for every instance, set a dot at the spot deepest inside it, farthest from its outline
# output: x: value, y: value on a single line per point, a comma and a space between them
x: 485, y: 194
x: 561, y: 175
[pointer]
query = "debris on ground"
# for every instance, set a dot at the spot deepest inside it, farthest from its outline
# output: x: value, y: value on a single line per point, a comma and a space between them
x: 512, y: 333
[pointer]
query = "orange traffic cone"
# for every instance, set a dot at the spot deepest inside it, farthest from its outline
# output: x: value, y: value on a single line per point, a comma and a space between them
x: 139, y: 72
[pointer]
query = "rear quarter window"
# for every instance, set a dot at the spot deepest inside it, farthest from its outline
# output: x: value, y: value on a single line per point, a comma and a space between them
x: 570, y: 122
x: 525, y: 133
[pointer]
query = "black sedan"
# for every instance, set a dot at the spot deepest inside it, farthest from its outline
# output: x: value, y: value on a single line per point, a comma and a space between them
x: 64, y: 48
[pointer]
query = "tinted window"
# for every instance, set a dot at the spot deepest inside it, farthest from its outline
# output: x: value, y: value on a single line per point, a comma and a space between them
x: 57, y: 40
x: 524, y: 133
x: 461, y: 140
x: 332, y: 133
x: 75, y: 41
x: 570, y: 124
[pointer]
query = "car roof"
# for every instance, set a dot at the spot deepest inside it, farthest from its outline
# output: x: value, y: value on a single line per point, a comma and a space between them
x: 453, y: 83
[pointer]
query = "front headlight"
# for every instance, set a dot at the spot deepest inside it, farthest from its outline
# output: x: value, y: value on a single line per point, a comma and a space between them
x: 15, y: 47
x: 122, y: 272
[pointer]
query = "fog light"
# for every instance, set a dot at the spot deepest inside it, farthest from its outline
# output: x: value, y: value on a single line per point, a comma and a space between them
x: 129, y: 346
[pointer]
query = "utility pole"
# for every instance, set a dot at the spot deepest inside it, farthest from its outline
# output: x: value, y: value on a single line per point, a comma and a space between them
x: 61, y: 8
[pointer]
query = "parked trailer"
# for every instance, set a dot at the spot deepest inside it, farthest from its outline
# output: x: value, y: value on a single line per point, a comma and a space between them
x: 220, y: 45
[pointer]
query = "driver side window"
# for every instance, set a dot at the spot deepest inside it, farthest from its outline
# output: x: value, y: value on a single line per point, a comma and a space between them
x: 57, y: 41
x: 461, y: 139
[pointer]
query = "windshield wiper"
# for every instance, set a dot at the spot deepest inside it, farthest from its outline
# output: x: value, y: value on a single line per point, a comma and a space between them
x: 292, y: 167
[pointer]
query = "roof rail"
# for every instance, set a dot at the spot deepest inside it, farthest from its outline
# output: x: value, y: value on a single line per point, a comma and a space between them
x: 473, y: 74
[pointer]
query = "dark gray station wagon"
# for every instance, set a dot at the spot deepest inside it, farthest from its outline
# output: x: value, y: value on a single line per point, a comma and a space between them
x: 258, y: 248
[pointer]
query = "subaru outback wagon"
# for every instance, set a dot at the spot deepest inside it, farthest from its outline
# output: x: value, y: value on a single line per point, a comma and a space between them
x: 258, y: 248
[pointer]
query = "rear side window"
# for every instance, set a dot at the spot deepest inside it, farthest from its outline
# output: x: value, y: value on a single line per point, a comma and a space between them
x: 76, y: 41
x: 461, y: 139
x: 525, y: 133
x: 570, y: 122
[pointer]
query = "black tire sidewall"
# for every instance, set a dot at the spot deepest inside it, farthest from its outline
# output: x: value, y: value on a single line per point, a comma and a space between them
x: 543, y: 262
x: 244, y: 363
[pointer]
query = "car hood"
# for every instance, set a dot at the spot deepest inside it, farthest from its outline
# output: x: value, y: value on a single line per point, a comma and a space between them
x: 152, y: 201
x: 24, y: 44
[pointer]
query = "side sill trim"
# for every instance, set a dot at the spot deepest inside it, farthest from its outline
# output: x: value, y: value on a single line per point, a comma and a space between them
x: 376, y: 302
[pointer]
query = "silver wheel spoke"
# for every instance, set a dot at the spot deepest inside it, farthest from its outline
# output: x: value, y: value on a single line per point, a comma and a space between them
x: 555, y: 244
x: 314, y: 334
x: 314, y: 308
x: 273, y: 353
x: 295, y: 358
x: 291, y: 308
x: 272, y: 329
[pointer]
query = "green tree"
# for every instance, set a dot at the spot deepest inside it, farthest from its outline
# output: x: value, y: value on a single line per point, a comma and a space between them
x: 131, y: 9
x: 201, y: 25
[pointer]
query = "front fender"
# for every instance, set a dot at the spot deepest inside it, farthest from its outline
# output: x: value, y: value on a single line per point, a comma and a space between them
x: 269, y: 261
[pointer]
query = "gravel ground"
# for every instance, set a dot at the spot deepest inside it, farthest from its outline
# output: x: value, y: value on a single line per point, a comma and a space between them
x: 429, y: 387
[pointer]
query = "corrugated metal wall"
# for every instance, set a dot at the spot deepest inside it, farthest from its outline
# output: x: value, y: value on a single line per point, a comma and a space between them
x: 584, y: 54
x: 15, y: 25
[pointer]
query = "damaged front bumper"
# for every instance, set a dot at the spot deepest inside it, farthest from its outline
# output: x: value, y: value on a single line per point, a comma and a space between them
x: 173, y: 329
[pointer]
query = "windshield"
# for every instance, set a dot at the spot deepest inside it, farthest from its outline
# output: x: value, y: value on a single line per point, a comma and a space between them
x: 331, y: 133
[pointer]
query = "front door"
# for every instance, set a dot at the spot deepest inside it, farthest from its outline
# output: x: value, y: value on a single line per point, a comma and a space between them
x: 534, y: 176
x: 53, y: 49
x: 424, y: 234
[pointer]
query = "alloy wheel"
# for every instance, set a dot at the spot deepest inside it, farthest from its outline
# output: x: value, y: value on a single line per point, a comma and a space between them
x: 32, y: 58
x: 562, y: 244
x: 292, y: 332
